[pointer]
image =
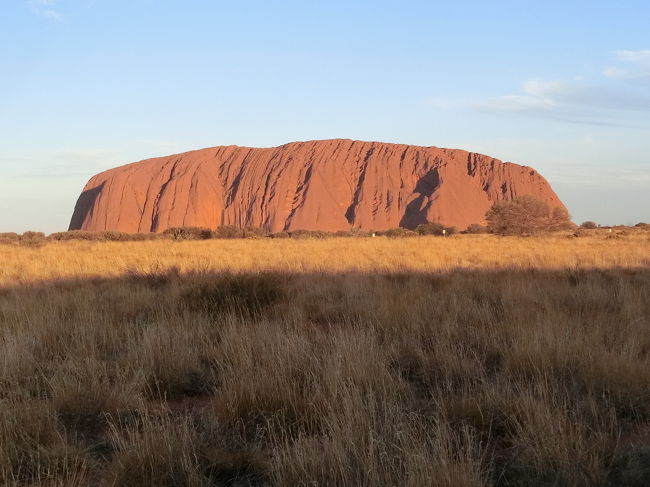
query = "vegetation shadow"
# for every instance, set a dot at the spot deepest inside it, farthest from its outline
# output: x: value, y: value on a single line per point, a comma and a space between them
x: 484, y: 377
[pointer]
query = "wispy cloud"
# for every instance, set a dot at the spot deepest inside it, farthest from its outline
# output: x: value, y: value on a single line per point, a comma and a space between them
x: 613, y: 176
x: 77, y: 162
x: 613, y: 99
x: 573, y: 101
x: 635, y: 56
x: 69, y: 163
x: 46, y: 8
x: 633, y: 65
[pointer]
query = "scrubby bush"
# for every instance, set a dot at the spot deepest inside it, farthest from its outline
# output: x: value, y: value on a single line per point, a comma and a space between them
x: 357, y: 232
x: 233, y: 231
x: 430, y: 228
x: 589, y: 225
x: 475, y: 229
x: 309, y: 234
x: 9, y: 238
x: 253, y: 232
x: 642, y: 225
x: 559, y: 220
x: 188, y: 233
x: 354, y: 232
x: 111, y: 236
x: 228, y: 231
x: 77, y: 235
x: 397, y: 232
x: 32, y: 236
x: 73, y: 235
x: 32, y: 239
x: 525, y: 215
x: 281, y: 234
x: 105, y: 236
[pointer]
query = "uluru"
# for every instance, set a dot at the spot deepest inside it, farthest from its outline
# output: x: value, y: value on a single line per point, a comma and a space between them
x: 317, y: 185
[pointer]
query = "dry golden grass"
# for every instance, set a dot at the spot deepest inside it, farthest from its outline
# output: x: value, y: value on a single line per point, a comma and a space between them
x: 465, y: 361
x: 73, y: 259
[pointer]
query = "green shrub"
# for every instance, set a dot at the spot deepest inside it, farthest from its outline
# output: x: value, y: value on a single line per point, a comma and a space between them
x: 589, y: 225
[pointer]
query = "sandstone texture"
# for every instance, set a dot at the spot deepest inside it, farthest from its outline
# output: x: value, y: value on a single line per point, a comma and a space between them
x: 318, y: 185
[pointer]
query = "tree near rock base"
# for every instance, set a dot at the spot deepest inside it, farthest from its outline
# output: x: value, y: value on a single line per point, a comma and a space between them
x: 525, y: 215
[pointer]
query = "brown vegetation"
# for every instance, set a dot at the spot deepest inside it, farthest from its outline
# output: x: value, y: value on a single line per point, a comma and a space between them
x: 526, y: 215
x: 463, y: 361
x: 589, y: 225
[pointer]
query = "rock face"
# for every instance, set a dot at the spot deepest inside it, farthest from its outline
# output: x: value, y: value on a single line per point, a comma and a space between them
x: 319, y: 185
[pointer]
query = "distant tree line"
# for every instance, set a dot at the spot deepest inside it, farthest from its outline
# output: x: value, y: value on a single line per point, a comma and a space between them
x: 524, y: 215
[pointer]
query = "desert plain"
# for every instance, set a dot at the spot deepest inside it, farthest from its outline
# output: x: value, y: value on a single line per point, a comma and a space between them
x: 469, y: 360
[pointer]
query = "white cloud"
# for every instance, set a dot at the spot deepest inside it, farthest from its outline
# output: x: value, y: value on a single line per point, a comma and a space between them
x: 615, y: 73
x: 642, y: 56
x: 535, y: 95
x: 51, y: 14
x: 612, y: 175
x: 542, y: 89
x: 46, y: 8
x: 574, y: 101
x: 517, y: 103
x: 636, y: 66
x: 597, y: 102
x: 619, y: 98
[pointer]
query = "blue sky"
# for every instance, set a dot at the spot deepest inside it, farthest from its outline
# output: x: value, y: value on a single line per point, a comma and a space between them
x: 91, y: 84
